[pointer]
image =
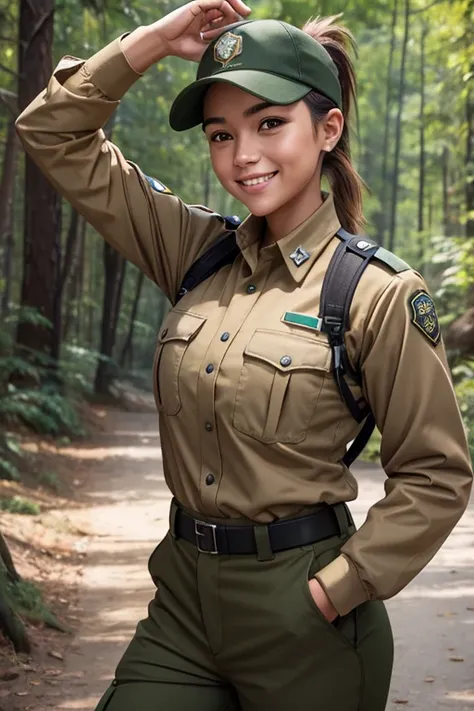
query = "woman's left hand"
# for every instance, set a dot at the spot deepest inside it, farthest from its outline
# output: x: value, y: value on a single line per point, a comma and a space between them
x: 322, y: 601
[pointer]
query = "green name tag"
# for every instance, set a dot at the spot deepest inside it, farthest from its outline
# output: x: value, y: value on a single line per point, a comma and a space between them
x: 302, y: 320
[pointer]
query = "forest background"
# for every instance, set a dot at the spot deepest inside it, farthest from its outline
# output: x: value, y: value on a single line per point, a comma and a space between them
x: 75, y: 317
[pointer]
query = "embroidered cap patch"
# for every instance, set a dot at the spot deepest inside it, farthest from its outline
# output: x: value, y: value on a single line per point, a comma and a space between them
x: 227, y: 47
x: 424, y: 315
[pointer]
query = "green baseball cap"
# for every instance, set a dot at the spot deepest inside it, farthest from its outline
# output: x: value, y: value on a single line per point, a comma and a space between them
x: 274, y: 61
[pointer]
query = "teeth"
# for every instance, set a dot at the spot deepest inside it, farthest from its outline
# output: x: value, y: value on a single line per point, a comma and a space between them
x: 257, y: 181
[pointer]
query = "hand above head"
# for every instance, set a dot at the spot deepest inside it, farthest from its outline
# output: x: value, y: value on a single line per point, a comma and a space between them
x: 188, y: 30
x: 185, y: 32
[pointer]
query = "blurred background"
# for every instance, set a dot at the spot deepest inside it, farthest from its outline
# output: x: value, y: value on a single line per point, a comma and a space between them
x: 75, y: 318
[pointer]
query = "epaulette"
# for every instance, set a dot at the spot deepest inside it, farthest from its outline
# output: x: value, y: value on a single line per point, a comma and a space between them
x: 391, y: 260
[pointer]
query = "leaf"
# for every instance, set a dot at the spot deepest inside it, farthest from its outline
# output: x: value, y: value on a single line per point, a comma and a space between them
x: 456, y: 659
x: 429, y: 679
x: 56, y: 655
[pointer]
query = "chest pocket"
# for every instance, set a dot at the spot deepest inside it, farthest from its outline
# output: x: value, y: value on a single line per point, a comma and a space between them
x: 280, y: 383
x: 179, y: 329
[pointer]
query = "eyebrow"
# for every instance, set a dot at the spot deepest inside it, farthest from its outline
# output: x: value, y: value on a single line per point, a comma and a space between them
x: 255, y: 109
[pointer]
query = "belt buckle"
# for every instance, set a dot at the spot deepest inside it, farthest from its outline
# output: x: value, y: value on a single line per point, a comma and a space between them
x: 198, y: 533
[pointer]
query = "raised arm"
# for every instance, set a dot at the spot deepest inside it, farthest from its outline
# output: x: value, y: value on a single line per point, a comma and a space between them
x: 62, y: 131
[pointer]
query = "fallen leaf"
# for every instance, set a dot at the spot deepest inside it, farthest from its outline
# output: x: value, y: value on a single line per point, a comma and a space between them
x: 22, y: 693
x: 8, y: 674
x: 56, y: 655
x: 456, y: 659
x: 429, y: 679
x: 35, y: 683
x: 53, y: 672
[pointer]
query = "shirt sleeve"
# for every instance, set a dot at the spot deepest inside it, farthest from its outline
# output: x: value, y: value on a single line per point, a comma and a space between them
x: 424, y: 453
x: 62, y: 132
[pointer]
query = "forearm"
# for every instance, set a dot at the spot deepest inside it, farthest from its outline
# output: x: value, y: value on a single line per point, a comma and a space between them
x: 143, y: 47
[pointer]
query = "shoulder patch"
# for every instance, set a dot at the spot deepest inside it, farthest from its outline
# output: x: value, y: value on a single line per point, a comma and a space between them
x: 424, y: 316
x: 158, y: 186
x: 391, y: 260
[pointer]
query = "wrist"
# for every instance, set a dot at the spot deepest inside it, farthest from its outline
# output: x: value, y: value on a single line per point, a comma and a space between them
x: 143, y: 47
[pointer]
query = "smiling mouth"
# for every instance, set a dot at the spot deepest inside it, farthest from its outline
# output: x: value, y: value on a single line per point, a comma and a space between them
x: 258, y: 181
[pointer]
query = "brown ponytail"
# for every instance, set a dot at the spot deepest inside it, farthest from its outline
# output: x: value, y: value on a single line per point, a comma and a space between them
x: 346, y: 184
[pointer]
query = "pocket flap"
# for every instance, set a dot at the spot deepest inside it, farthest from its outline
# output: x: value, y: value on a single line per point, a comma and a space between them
x: 180, y: 326
x: 289, y: 352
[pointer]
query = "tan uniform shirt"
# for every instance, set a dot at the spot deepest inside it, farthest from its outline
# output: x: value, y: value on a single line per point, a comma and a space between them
x: 251, y: 421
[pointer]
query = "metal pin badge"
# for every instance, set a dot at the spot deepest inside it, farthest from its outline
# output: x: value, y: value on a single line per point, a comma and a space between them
x: 299, y: 256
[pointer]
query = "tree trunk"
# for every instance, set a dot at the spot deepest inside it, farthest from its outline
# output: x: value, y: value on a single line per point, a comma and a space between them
x: 445, y: 188
x: 127, y: 349
x: 398, y: 131
x: 41, y: 211
x: 10, y: 623
x: 386, y: 135
x: 114, y: 275
x: 7, y: 194
x: 422, y: 161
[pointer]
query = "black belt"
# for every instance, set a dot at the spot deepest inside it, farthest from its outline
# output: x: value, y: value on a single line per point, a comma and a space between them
x: 283, y: 535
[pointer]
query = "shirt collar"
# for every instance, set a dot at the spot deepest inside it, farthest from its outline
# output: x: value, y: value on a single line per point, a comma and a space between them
x: 301, y: 247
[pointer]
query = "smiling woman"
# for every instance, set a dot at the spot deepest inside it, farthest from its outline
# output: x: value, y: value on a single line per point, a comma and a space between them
x: 267, y: 597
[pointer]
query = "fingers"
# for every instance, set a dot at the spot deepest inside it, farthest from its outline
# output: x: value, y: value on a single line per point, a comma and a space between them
x: 233, y: 10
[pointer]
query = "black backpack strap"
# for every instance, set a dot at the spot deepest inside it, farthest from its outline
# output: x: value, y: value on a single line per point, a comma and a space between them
x: 222, y: 252
x: 351, y: 258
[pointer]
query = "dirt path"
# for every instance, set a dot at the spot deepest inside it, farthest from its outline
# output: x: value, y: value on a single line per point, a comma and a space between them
x: 433, y: 618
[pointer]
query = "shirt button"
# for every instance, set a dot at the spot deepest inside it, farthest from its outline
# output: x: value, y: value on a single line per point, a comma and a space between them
x: 285, y: 361
x: 210, y: 479
x: 225, y: 336
x: 251, y: 289
x: 209, y: 368
x: 208, y: 427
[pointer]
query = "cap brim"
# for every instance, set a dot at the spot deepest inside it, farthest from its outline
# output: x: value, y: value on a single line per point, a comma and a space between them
x: 187, y: 109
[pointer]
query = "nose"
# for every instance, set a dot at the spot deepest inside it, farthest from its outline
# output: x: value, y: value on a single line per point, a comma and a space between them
x: 246, y: 152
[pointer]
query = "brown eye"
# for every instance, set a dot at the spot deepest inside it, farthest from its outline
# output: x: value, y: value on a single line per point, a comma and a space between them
x: 270, y: 123
x: 220, y: 137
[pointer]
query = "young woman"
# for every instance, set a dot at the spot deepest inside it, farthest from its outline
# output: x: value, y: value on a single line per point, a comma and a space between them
x: 267, y: 597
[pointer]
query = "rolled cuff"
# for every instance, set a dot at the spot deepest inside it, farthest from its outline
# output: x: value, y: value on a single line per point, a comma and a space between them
x: 342, y: 585
x: 108, y: 70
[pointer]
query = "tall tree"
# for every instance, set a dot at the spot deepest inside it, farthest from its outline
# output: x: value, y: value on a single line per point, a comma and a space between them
x: 41, y: 237
x: 385, y: 148
x: 7, y: 194
x: 398, y: 130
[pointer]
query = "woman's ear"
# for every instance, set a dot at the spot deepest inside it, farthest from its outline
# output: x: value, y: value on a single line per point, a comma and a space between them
x: 332, y: 126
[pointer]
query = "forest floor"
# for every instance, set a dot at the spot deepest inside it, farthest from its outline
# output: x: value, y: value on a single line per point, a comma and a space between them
x: 89, y: 549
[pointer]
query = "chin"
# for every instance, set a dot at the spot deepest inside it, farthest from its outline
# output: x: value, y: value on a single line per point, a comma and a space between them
x: 260, y: 208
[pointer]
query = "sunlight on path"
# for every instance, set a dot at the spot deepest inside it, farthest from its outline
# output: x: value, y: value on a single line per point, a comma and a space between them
x: 433, y: 627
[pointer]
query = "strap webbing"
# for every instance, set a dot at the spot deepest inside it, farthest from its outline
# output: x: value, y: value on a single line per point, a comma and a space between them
x: 222, y: 252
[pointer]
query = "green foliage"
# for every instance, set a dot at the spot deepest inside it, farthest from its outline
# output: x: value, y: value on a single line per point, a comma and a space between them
x: 49, y: 479
x: 35, y: 394
x: 20, y: 505
x: 465, y: 394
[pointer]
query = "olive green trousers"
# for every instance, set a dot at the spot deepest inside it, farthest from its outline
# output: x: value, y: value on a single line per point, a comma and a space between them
x: 242, y: 633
